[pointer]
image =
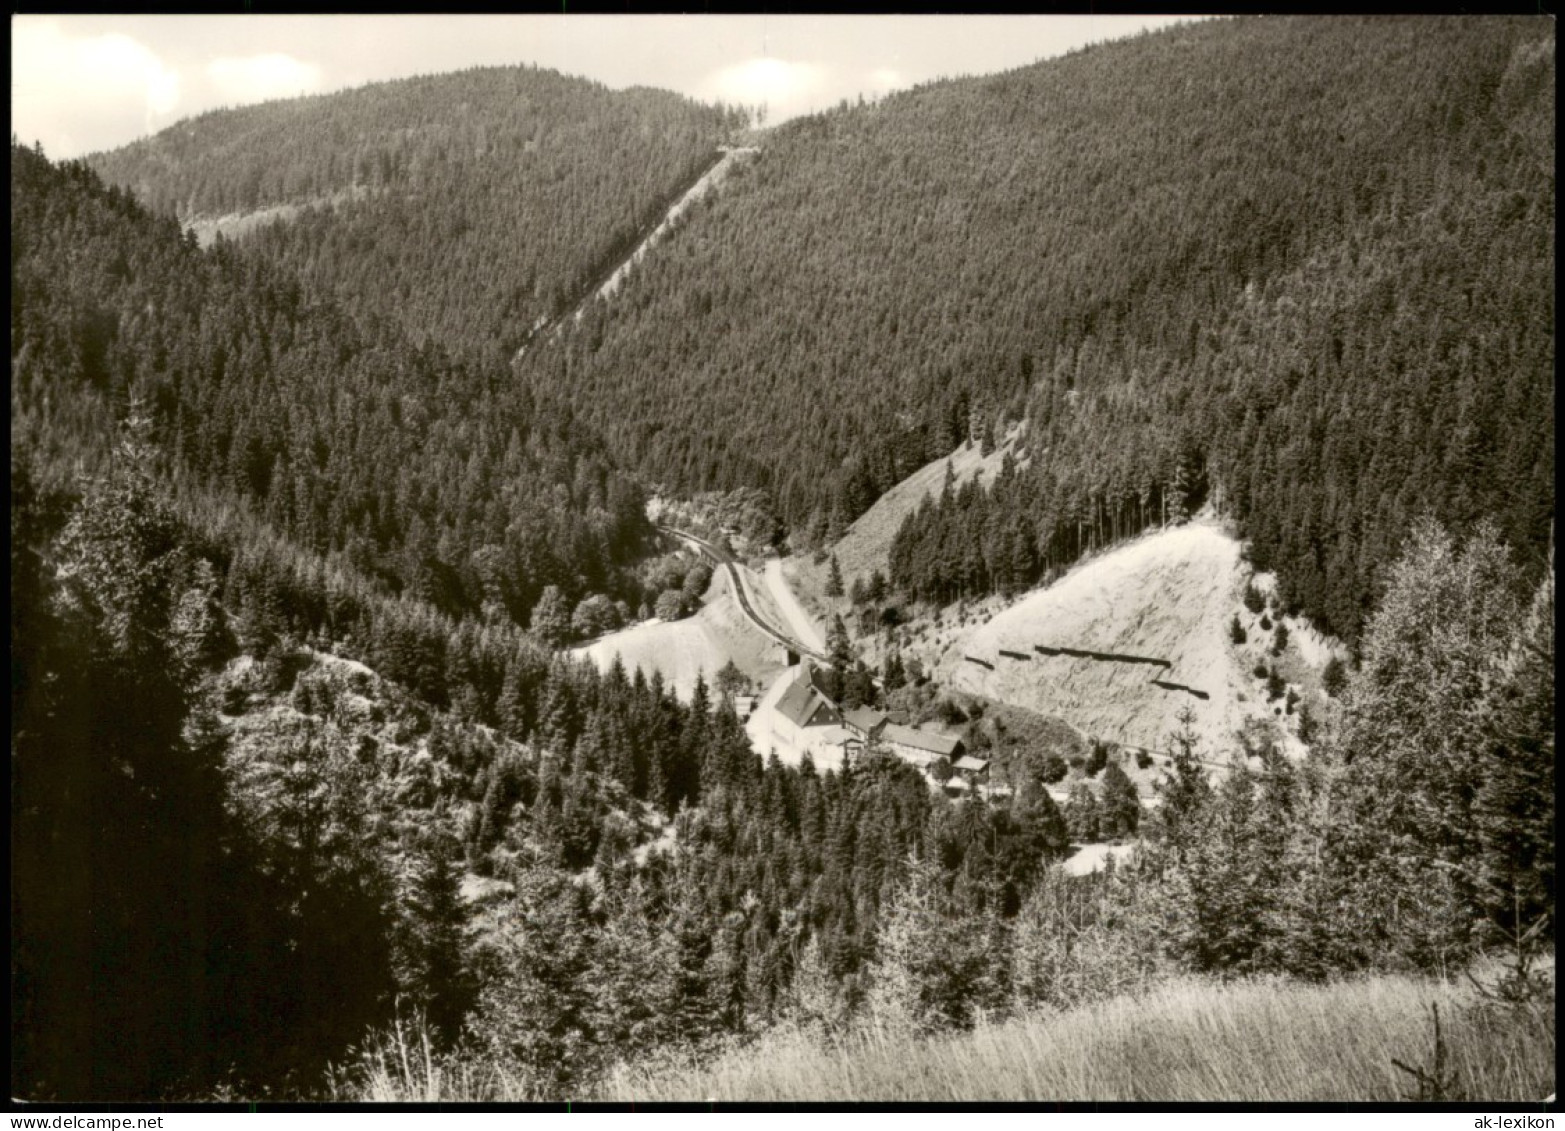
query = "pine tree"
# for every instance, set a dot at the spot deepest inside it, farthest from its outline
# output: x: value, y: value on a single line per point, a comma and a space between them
x: 927, y: 970
x: 834, y: 579
x: 1514, y: 808
x: 1082, y: 814
x: 1413, y: 734
x: 1334, y: 678
x: 1184, y: 793
x: 551, y: 618
x: 443, y: 982
x: 1119, y: 806
x: 539, y: 1012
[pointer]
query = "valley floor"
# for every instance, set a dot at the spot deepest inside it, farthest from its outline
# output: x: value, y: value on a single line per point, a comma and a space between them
x: 697, y: 645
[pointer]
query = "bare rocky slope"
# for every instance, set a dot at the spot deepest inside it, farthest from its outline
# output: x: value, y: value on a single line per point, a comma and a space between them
x: 1168, y: 596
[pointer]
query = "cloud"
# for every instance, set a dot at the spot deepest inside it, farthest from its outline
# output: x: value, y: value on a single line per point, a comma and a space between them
x: 257, y: 78
x: 784, y: 88
x: 80, y: 93
x: 886, y: 79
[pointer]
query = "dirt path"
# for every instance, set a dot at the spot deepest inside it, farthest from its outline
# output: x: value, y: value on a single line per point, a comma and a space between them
x: 799, y: 621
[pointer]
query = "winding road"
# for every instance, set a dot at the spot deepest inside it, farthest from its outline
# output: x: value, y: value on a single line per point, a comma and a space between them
x: 742, y: 592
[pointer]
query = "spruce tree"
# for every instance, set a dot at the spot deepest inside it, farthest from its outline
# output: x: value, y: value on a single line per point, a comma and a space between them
x: 1413, y: 735
x: 1119, y: 806
x: 834, y: 579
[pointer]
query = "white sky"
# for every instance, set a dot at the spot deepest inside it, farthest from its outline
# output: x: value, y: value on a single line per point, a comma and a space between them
x: 85, y: 83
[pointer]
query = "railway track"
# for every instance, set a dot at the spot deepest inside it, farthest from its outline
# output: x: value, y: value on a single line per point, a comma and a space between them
x: 742, y: 593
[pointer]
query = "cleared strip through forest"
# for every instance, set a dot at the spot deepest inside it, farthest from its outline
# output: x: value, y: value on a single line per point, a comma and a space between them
x: 607, y: 279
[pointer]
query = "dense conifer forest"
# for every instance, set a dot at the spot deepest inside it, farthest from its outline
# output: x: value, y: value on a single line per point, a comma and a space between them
x: 1235, y: 257
x: 463, y: 207
x: 299, y: 766
x: 402, y: 465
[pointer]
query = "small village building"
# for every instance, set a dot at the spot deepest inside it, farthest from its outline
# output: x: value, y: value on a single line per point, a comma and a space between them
x: 974, y: 767
x: 866, y: 722
x: 919, y: 747
x: 837, y: 740
x: 801, y: 708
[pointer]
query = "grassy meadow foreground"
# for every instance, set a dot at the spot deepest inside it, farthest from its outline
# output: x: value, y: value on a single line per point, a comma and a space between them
x: 1186, y: 1040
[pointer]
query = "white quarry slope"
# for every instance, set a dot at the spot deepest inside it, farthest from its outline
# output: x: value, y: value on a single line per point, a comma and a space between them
x: 699, y: 644
x: 1168, y: 595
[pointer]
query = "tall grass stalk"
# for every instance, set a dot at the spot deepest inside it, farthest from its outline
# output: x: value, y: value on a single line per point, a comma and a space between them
x: 1186, y: 1040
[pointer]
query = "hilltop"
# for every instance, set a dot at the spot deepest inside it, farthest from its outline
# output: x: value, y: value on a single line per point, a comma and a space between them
x: 465, y: 207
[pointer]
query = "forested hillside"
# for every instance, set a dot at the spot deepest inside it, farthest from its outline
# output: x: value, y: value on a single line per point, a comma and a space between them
x: 299, y: 765
x: 464, y: 206
x: 212, y: 482
x: 1304, y: 264
x: 433, y: 477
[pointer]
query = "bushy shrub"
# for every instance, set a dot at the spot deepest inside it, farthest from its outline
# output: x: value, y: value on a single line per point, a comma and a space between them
x: 670, y: 605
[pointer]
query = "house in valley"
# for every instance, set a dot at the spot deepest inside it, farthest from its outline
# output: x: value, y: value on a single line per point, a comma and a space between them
x: 866, y: 722
x: 807, y: 718
x: 803, y: 708
x: 920, y: 747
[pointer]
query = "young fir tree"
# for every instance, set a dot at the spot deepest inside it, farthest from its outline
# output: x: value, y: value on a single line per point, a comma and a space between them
x: 834, y: 588
x: 1081, y: 813
x: 1119, y: 806
x: 1413, y: 739
x: 1514, y: 809
x: 437, y: 966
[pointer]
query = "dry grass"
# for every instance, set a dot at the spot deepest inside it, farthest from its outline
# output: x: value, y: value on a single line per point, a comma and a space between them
x: 1186, y: 1041
x: 402, y: 1066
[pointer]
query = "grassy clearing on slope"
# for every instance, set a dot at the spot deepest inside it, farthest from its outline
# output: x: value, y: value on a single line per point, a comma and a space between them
x: 699, y: 644
x: 1188, y: 1040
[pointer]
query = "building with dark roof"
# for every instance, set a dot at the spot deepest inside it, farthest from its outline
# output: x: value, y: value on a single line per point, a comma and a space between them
x: 801, y: 707
x: 920, y: 747
x: 866, y: 722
